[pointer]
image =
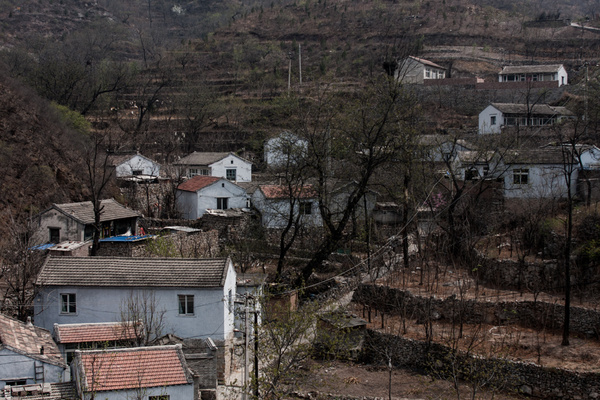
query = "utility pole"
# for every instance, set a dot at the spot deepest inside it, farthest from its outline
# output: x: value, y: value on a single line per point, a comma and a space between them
x: 300, y: 61
x: 289, y: 71
x: 246, y: 339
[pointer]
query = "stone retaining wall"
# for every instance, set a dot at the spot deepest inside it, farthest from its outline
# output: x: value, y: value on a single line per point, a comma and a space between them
x: 538, y: 315
x: 503, y: 375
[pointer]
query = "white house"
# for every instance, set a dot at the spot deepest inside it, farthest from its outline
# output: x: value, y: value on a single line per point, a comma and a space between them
x: 28, y: 354
x: 534, y: 73
x: 277, y: 204
x: 194, y: 296
x: 416, y: 70
x: 286, y: 148
x: 75, y: 221
x: 134, y: 165
x: 441, y: 148
x: 200, y: 193
x: 496, y: 116
x: 153, y: 373
x: 222, y: 165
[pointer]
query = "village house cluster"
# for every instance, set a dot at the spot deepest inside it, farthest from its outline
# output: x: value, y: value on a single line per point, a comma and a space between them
x: 90, y: 334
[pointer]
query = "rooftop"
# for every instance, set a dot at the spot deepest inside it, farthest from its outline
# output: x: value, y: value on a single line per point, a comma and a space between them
x: 426, y: 62
x: 197, y: 182
x: 537, y: 109
x: 205, y: 158
x: 530, y: 69
x: 84, y: 211
x: 284, y: 192
x: 93, y: 332
x: 29, y: 340
x: 133, y: 272
x: 141, y: 367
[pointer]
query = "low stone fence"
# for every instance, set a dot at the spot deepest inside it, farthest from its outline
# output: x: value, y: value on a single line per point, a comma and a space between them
x: 532, y: 314
x: 488, y: 373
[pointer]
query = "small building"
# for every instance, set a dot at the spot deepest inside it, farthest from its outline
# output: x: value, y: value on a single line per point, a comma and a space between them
x: 155, y: 372
x: 134, y: 166
x: 124, y: 246
x: 200, y: 193
x: 417, y: 70
x: 41, y: 391
x: 75, y: 221
x: 101, y: 335
x: 221, y: 165
x: 28, y: 355
x: 534, y: 73
x: 340, y: 335
x: 194, y: 297
x: 495, y: 117
x: 277, y: 204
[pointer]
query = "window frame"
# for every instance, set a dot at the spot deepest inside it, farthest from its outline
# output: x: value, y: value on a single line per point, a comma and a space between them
x: 521, y: 176
x: 305, y: 208
x: 53, y: 229
x: 493, y: 119
x: 231, y: 174
x: 68, y: 304
x: 160, y: 397
x: 183, y: 305
x: 222, y: 203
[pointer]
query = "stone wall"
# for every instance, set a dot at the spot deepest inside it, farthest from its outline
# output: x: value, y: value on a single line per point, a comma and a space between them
x: 537, y: 315
x: 501, y: 374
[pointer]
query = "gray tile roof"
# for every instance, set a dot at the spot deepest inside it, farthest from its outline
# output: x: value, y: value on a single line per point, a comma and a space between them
x: 133, y: 272
x: 29, y: 340
x: 537, y: 109
x: 530, y: 69
x: 84, y: 211
x: 205, y: 158
x: 534, y: 156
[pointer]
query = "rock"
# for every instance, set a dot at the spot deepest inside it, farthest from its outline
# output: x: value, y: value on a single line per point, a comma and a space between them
x: 526, y: 390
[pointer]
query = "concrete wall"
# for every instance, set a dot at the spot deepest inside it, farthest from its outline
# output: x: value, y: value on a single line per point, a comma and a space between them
x: 15, y: 366
x: 174, y: 392
x: 275, y: 212
x: 194, y: 205
x: 69, y: 228
x: 101, y: 304
x: 544, y: 181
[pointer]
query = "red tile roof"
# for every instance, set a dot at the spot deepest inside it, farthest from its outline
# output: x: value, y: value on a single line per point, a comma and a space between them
x: 141, y: 367
x: 97, y: 332
x: 283, y: 192
x: 198, y: 182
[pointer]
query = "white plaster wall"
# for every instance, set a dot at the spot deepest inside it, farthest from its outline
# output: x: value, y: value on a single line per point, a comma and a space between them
x: 138, y: 162
x: 275, y: 213
x: 229, y: 309
x: 283, y: 148
x: 485, y: 117
x: 410, y: 71
x: 563, y: 78
x: 544, y: 181
x: 207, y: 197
x: 243, y: 168
x: 17, y: 366
x: 104, y: 304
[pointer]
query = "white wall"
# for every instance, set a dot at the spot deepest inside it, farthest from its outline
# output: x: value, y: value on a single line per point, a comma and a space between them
x: 544, y: 181
x: 104, y: 304
x: 137, y: 162
x: 187, y: 204
x: 275, y: 212
x: 69, y: 228
x: 485, y: 117
x: 15, y: 366
x: 243, y: 168
x: 283, y: 148
x: 177, y: 392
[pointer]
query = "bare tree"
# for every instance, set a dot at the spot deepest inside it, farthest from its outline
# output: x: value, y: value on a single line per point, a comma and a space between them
x: 141, y: 313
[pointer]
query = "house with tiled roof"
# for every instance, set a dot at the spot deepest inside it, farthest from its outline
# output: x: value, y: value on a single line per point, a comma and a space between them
x: 278, y: 204
x: 534, y: 73
x: 71, y: 337
x: 497, y: 116
x: 221, y: 165
x: 193, y: 297
x: 201, y: 193
x: 155, y: 372
x: 75, y: 221
x: 134, y: 166
x: 28, y: 354
x: 417, y: 70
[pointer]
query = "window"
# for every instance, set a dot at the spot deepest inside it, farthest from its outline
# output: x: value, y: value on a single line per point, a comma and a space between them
x: 161, y: 397
x: 305, y: 208
x: 493, y: 120
x: 471, y: 174
x: 68, y: 304
x: 222, y: 203
x: 230, y: 300
x: 193, y: 172
x: 427, y: 73
x: 17, y: 382
x: 520, y: 176
x: 230, y: 174
x: 137, y: 172
x: 54, y: 235
x: 186, y: 304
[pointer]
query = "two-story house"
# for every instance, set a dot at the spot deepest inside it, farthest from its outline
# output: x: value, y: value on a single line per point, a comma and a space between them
x: 193, y: 297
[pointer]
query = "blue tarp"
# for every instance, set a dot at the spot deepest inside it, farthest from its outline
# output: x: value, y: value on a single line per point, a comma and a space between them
x: 125, y: 238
